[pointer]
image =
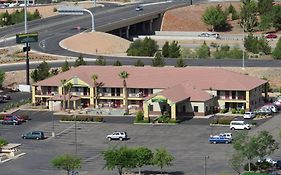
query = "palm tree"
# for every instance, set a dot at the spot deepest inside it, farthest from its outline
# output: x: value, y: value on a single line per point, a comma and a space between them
x: 124, y: 75
x: 94, y: 78
x: 68, y: 86
x: 63, y: 91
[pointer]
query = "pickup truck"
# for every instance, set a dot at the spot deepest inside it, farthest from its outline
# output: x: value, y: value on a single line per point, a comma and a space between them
x: 219, y: 139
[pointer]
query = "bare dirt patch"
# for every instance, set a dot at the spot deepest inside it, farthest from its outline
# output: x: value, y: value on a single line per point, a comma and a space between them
x: 189, y: 18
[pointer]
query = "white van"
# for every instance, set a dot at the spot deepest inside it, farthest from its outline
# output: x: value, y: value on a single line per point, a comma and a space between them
x: 239, y: 125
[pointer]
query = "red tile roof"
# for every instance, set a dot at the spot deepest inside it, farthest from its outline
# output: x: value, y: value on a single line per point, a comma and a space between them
x: 184, y: 91
x: 159, y: 77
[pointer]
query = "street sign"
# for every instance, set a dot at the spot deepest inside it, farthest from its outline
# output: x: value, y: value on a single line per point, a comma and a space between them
x: 70, y: 10
x: 26, y: 38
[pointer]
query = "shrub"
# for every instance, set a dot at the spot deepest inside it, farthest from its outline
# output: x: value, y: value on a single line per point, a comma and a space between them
x: 254, y: 123
x: 163, y: 119
x: 242, y: 111
x: 55, y: 9
x: 233, y: 111
x: 139, y: 116
x: 225, y: 110
x: 98, y: 119
x: 3, y: 142
x: 263, y: 165
x: 203, y: 51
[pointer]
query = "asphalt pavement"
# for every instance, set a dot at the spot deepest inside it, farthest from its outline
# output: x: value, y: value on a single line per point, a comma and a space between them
x: 187, y: 142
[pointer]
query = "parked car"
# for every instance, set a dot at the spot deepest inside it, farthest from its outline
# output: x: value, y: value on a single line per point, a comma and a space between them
x: 239, y: 125
x: 278, y: 164
x: 269, y: 160
x: 249, y: 115
x: 139, y: 8
x: 263, y: 111
x: 11, y: 120
x: 38, y: 135
x: 271, y: 36
x: 210, y: 35
x: 226, y: 135
x: 117, y: 135
x: 272, y: 107
x: 219, y: 139
x: 13, y: 116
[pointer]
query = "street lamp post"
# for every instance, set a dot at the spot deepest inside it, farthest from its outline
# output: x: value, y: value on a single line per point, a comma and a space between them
x: 26, y: 44
x: 243, y: 62
x: 75, y: 133
x: 205, y: 166
x: 53, y: 127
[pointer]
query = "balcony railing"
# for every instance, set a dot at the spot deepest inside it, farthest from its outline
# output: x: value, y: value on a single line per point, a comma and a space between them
x: 45, y: 93
x: 234, y: 98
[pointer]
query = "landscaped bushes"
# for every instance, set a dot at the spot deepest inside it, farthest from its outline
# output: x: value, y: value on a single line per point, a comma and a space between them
x: 239, y: 111
x: 3, y: 142
x: 225, y: 110
x: 82, y: 118
x: 222, y: 120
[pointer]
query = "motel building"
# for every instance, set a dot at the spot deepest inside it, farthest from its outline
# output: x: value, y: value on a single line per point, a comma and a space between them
x: 183, y: 92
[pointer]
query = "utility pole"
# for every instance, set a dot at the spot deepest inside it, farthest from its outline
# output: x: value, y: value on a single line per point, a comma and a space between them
x: 205, y: 166
x: 243, y: 63
x: 26, y: 48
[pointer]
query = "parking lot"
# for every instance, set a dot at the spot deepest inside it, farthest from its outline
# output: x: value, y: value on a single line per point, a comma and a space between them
x: 188, y: 143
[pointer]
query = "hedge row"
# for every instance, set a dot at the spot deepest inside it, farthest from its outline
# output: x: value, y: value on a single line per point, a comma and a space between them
x: 81, y: 118
x: 222, y: 120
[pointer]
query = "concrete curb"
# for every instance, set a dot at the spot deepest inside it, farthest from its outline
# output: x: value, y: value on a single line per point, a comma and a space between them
x: 159, y: 124
x: 15, y: 157
x: 79, y: 122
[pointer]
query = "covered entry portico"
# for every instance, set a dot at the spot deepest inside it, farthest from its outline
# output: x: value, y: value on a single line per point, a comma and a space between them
x: 159, y: 104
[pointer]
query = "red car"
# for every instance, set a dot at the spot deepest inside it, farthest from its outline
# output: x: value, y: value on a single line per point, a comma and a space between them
x: 271, y: 36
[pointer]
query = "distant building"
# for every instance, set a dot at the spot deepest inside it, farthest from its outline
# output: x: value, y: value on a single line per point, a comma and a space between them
x: 185, y: 91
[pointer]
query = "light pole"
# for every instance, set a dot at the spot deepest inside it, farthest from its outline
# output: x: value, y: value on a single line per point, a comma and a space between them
x: 205, y: 166
x: 75, y: 133
x: 243, y: 62
x: 53, y: 127
x: 26, y: 44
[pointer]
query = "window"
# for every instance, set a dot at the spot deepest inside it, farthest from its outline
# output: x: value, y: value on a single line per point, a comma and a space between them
x: 195, y: 108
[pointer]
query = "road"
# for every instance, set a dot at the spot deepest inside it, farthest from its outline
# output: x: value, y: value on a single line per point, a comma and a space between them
x: 187, y: 142
x: 52, y: 30
x: 147, y: 61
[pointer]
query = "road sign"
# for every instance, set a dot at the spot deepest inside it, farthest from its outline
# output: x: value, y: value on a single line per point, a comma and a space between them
x: 26, y: 38
x: 70, y: 10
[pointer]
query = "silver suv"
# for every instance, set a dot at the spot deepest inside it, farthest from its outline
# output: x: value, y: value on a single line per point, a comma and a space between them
x: 117, y: 135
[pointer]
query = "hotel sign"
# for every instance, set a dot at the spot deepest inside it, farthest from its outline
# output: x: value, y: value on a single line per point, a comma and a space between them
x: 26, y: 38
x: 159, y: 99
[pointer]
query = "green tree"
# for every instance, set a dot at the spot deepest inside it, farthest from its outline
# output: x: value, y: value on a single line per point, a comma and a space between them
x: 266, y: 22
x: 135, y: 48
x: 165, y: 49
x: 149, y: 47
x: 6, y: 19
x: 3, y: 142
x: 63, y: 85
x: 174, y: 50
x: 231, y: 10
x: 215, y: 17
x: 276, y: 54
x: 203, y: 51
x: 100, y: 61
x: 162, y: 158
x: 119, y: 158
x: 263, y: 46
x: 117, y: 63
x: 41, y: 72
x: 54, y: 71
x: 158, y: 60
x: 246, y: 146
x: 36, y: 15
x: 139, y: 63
x: 67, y: 162
x: 124, y: 75
x: 235, y: 53
x: 65, y: 66
x: 68, y: 87
x: 248, y: 15
x: 142, y: 156
x: 95, y: 78
x: 236, y: 162
x: 2, y: 77
x: 180, y: 63
x: 276, y: 17
x: 266, y: 145
x: 145, y: 47
x: 264, y: 6
x: 79, y: 61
